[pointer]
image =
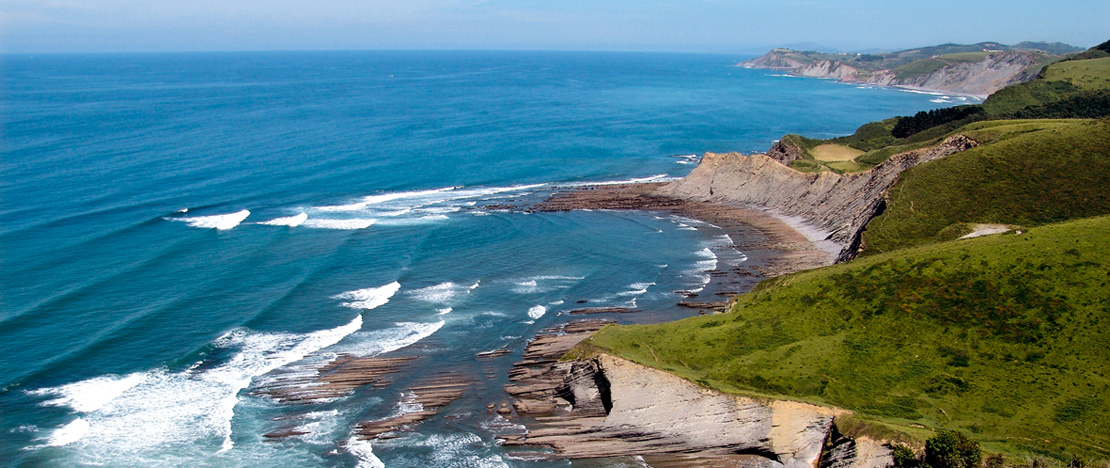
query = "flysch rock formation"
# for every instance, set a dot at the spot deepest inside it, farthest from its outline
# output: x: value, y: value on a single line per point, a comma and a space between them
x: 829, y: 208
x: 606, y: 406
x: 982, y: 77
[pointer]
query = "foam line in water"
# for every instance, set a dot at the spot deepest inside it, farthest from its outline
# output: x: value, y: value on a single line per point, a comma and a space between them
x: 220, y: 222
x: 366, y: 201
x: 291, y: 221
x: 535, y: 312
x: 342, y: 224
x: 153, y: 412
x: 442, y: 293
x: 369, y: 298
x: 638, y: 180
x: 375, y: 342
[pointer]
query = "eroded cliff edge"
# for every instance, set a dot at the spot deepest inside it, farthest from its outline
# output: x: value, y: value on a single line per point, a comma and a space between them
x: 605, y: 406
x: 829, y: 208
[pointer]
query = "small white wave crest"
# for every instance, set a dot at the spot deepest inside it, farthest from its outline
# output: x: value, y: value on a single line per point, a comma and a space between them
x: 219, y: 222
x: 537, y: 311
x: 291, y: 221
x: 369, y: 298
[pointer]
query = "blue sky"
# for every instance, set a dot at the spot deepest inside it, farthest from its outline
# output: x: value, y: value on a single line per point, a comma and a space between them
x: 742, y: 26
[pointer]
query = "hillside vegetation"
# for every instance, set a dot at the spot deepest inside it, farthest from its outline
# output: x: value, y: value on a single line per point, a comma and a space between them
x: 1029, y: 172
x: 1000, y: 337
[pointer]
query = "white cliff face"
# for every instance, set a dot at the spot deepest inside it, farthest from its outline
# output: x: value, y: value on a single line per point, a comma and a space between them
x: 653, y: 412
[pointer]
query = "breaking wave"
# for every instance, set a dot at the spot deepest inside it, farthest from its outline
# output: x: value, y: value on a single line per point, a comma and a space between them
x: 127, y: 416
x: 369, y: 298
x: 219, y: 222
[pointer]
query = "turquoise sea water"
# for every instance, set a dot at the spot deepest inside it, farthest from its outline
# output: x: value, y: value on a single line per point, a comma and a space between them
x: 176, y: 229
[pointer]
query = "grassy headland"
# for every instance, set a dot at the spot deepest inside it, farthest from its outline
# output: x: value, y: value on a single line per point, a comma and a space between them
x: 1002, y: 337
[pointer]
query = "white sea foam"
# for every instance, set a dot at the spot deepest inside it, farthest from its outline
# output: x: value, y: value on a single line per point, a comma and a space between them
x: 220, y: 222
x: 430, y: 219
x: 636, y: 289
x: 372, y: 343
x: 381, y: 198
x: 920, y: 91
x: 545, y: 283
x: 69, y: 433
x: 369, y: 298
x: 453, y: 450
x: 537, y: 311
x: 442, y: 293
x: 555, y: 303
x: 526, y: 287
x: 361, y: 449
x: 291, y: 221
x: 92, y: 394
x: 343, y: 224
x: 444, y: 311
x: 424, y: 198
x: 638, y: 180
x: 186, y: 408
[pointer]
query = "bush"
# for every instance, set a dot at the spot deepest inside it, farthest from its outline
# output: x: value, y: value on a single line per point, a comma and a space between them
x: 951, y: 449
x: 904, y: 457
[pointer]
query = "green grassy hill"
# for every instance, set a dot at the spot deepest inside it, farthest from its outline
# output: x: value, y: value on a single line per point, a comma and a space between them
x: 1028, y: 173
x: 1001, y: 337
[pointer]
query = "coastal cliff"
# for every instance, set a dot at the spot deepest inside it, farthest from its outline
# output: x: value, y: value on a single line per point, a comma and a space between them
x: 978, y: 69
x: 828, y: 207
x: 605, y: 406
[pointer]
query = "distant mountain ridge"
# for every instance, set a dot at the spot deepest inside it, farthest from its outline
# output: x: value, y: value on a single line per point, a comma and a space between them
x: 978, y: 69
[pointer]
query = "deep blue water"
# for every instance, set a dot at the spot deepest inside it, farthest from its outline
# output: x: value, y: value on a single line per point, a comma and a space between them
x: 140, y: 303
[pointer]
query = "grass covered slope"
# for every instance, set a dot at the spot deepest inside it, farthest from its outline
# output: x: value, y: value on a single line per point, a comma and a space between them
x: 1028, y: 172
x: 1001, y: 337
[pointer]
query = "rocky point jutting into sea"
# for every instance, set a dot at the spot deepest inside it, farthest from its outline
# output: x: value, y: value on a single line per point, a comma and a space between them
x: 599, y: 405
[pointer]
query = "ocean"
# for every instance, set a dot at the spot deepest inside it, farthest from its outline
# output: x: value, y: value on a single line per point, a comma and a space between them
x: 178, y: 230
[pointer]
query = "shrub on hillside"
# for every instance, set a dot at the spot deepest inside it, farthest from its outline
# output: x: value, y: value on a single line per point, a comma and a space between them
x: 904, y: 457
x: 951, y: 449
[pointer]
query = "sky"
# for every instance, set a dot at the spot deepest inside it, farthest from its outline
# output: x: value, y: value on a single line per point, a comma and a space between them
x: 718, y: 26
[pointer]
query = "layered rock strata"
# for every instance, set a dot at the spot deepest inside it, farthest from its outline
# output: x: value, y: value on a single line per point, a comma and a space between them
x: 605, y: 406
x: 832, y: 207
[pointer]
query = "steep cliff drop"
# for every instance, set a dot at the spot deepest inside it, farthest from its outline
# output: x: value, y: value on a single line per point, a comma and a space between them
x: 830, y: 209
x: 603, y: 406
